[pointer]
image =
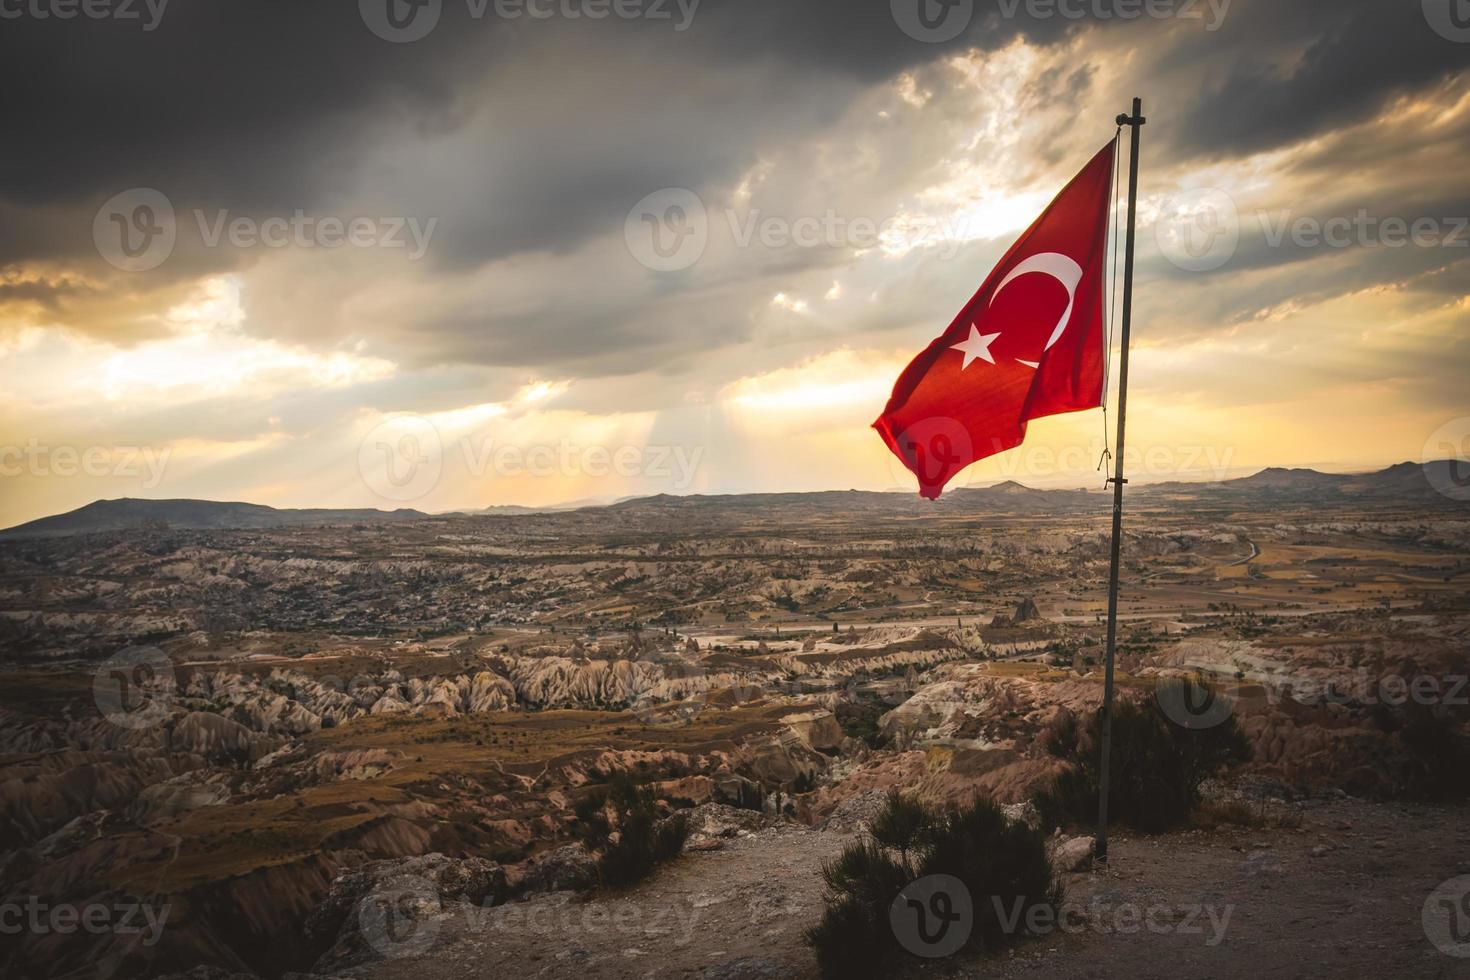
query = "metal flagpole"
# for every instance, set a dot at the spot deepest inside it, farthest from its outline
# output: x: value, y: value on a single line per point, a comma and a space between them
x: 1136, y: 121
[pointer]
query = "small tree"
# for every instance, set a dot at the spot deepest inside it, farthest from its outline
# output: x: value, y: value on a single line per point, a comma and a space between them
x: 623, y: 823
x: 1157, y: 764
x: 1002, y: 863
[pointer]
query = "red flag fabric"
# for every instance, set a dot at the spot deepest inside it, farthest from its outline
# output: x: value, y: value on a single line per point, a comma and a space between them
x: 1027, y: 345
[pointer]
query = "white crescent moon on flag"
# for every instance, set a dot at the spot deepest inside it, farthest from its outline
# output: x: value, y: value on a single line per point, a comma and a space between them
x: 1060, y: 268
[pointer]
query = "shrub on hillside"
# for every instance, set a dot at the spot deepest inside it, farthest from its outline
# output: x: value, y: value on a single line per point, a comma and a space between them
x: 1157, y: 764
x: 1002, y: 863
x: 1438, y: 767
x: 624, y: 824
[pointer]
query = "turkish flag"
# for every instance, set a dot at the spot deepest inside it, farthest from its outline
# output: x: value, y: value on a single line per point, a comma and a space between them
x: 1027, y: 345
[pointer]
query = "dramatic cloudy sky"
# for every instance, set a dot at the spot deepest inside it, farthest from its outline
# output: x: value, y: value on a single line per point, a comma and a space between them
x: 498, y: 326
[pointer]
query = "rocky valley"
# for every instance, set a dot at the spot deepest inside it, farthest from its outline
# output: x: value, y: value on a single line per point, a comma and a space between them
x: 247, y: 732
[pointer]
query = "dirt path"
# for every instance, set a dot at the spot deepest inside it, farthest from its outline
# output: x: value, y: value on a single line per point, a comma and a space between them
x: 1293, y: 910
x: 1340, y: 897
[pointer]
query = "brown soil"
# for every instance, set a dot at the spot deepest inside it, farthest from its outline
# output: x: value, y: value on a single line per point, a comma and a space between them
x: 1340, y: 896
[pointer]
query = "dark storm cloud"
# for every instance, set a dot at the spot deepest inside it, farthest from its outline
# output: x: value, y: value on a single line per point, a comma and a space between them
x: 1284, y: 72
x: 530, y: 140
x: 264, y: 108
x: 268, y: 107
x: 267, y: 98
x: 262, y: 97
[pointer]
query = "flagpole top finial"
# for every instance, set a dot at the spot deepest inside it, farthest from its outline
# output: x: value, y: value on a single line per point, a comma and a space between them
x: 1137, y: 119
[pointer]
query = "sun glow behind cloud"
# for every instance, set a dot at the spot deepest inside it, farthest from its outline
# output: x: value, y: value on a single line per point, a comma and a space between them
x: 206, y: 356
x: 771, y: 362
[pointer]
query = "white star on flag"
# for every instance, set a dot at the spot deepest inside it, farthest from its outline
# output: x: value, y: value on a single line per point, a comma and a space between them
x: 977, y: 346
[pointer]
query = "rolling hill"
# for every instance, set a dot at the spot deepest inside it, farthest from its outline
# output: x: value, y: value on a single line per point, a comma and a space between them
x: 127, y: 512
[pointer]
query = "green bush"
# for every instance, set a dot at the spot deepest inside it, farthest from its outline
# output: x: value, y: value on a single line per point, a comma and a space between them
x: 1002, y: 863
x: 1438, y: 765
x: 1157, y: 765
x: 624, y: 824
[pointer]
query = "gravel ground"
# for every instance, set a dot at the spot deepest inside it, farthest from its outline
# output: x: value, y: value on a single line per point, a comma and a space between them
x: 1342, y: 895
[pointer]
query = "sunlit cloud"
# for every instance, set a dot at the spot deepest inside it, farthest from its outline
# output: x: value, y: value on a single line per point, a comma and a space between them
x: 534, y: 325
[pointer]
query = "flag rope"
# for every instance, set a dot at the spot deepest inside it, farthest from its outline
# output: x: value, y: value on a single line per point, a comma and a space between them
x: 1111, y: 302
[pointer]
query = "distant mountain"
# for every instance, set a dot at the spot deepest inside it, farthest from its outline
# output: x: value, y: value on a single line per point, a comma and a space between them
x: 1009, y: 496
x: 1410, y: 478
x: 1402, y: 481
x: 1405, y: 481
x: 1281, y: 478
x: 513, y: 510
x: 126, y: 513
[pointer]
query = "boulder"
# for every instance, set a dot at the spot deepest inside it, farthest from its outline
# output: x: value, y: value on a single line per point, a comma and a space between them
x: 1071, y: 854
x: 568, y: 868
x: 716, y: 820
